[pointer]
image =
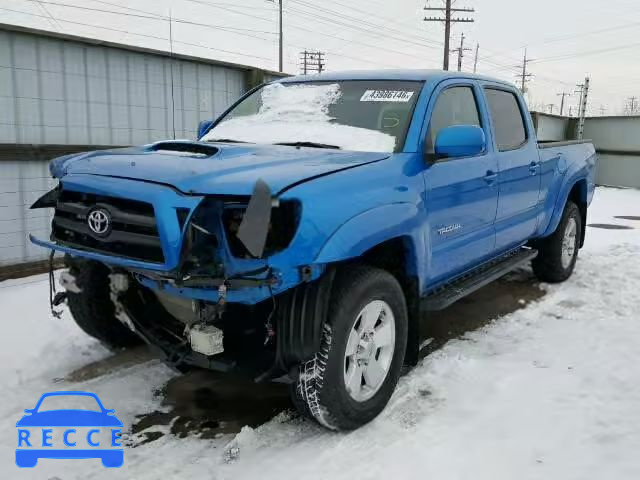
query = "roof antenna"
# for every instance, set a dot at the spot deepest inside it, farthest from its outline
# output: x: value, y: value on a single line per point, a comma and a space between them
x: 173, y: 102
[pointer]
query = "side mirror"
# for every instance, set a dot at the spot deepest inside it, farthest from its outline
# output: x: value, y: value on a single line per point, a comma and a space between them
x: 203, y: 126
x: 28, y: 410
x: 460, y: 141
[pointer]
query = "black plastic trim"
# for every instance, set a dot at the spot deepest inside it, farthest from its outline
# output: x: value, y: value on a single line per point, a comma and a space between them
x: 301, y: 312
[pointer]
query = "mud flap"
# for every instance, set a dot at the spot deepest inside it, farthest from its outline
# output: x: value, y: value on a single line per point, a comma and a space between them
x: 300, y: 315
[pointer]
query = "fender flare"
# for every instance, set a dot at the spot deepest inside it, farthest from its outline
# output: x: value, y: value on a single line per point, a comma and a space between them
x: 373, y: 227
x: 562, y: 199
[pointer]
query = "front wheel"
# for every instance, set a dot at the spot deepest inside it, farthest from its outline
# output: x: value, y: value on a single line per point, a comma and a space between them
x: 350, y: 380
x: 557, y: 254
x: 92, y: 308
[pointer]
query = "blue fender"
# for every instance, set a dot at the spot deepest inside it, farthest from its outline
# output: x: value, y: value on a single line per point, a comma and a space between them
x: 373, y: 227
x: 561, y: 201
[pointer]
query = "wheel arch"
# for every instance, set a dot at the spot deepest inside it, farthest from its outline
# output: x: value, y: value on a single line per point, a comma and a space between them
x: 388, y: 237
x: 397, y: 256
x: 577, y: 192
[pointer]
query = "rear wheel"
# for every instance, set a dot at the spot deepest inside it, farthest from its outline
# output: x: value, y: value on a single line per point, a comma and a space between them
x: 350, y: 380
x: 92, y: 308
x: 557, y: 254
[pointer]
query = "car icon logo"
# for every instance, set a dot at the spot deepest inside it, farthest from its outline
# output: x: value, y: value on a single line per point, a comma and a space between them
x: 99, y: 221
x: 79, y: 433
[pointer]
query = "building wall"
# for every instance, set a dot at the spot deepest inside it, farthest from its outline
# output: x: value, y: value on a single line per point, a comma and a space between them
x: 61, y: 94
x: 550, y: 128
x: 54, y: 91
x: 617, y: 140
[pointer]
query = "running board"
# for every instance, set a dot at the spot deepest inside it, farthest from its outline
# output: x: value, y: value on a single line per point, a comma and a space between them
x: 476, y: 279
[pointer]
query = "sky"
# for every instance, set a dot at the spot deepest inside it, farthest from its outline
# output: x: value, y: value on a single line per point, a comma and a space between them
x: 566, y: 40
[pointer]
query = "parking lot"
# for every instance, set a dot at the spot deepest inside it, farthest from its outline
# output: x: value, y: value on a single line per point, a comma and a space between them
x: 555, y: 361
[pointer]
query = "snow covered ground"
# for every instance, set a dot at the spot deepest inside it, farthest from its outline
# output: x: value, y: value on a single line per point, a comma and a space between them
x: 551, y: 391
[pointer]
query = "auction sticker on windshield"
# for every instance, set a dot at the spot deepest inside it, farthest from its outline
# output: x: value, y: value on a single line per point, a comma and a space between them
x: 386, y: 96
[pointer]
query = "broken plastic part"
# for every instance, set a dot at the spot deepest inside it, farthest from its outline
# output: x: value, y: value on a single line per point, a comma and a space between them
x: 254, y: 227
x: 48, y: 200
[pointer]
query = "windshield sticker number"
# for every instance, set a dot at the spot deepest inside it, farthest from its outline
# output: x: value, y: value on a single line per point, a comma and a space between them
x: 386, y: 96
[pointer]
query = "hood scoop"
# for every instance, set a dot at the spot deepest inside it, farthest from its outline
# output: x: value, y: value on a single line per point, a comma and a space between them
x: 187, y: 149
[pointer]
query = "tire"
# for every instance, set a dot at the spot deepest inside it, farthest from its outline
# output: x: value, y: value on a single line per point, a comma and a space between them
x: 320, y: 391
x: 557, y: 253
x: 92, y: 308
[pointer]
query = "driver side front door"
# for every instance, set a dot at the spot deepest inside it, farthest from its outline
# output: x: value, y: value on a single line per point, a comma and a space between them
x: 461, y: 193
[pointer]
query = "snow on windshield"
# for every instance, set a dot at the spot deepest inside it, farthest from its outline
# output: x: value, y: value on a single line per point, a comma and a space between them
x: 300, y: 113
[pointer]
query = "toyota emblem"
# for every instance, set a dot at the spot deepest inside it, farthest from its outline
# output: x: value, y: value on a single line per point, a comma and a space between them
x: 99, y: 221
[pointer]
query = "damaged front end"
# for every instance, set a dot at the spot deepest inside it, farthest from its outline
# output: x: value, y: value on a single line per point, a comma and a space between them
x: 205, y: 279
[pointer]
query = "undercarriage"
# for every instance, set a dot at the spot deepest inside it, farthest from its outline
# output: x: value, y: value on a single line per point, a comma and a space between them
x: 267, y: 340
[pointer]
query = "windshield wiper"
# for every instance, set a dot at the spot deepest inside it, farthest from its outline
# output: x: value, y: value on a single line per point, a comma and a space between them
x: 227, y: 140
x: 308, y: 144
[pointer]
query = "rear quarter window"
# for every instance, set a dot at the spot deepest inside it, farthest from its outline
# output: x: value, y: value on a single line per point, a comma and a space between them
x: 508, y: 123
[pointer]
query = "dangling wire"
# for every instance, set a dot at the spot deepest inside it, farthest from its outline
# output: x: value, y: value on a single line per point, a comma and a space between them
x: 268, y: 325
x: 52, y: 288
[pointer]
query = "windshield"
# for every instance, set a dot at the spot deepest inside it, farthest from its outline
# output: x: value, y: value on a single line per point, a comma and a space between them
x: 369, y: 115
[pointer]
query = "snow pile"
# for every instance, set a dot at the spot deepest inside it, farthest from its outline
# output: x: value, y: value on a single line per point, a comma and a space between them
x: 300, y: 113
x: 550, y: 392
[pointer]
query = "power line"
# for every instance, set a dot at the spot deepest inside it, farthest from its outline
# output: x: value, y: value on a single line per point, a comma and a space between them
x: 53, y: 21
x: 413, y: 38
x: 587, y: 53
x: 349, y: 57
x: 567, y: 37
x: 137, y: 34
x: 340, y: 21
x: 447, y: 11
x: 377, y: 47
x: 152, y: 16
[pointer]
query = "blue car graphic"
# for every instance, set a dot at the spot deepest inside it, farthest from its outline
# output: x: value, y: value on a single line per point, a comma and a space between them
x: 28, y: 457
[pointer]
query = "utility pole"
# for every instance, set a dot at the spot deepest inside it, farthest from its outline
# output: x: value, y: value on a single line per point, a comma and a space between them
x: 551, y: 105
x: 280, y: 35
x: 524, y: 76
x: 447, y: 11
x: 279, y: 32
x: 632, y: 106
x: 563, y: 94
x: 312, y: 61
x: 584, y: 97
x: 581, y: 92
x: 475, y: 61
x: 461, y: 51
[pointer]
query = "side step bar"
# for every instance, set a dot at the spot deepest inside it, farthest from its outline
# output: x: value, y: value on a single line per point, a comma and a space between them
x: 475, y: 279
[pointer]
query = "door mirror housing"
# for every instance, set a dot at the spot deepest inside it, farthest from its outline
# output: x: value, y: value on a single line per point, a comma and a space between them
x: 203, y: 126
x: 460, y: 141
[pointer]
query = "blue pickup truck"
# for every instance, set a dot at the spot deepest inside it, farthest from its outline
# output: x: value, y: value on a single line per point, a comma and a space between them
x: 307, y: 229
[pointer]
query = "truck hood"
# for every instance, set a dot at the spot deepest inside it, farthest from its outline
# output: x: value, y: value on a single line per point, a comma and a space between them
x: 207, y: 168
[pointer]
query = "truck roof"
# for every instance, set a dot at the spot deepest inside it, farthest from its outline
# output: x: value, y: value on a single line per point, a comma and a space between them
x: 389, y: 74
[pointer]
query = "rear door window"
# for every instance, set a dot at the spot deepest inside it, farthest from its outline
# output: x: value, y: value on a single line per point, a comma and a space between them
x: 508, y: 123
x: 455, y: 106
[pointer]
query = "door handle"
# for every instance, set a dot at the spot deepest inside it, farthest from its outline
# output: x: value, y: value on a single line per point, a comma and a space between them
x: 533, y: 167
x: 490, y: 176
